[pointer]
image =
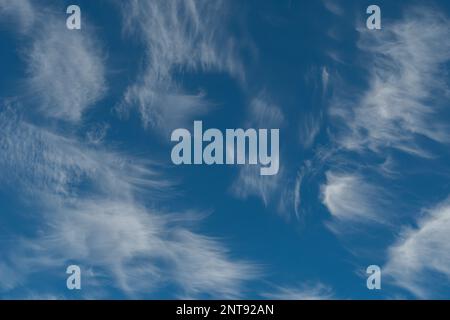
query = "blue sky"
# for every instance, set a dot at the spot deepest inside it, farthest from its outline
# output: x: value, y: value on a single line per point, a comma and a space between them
x: 86, y: 176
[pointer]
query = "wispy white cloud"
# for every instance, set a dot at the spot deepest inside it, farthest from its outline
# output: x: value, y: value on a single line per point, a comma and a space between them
x: 138, y: 247
x: 397, y: 109
x: 250, y: 183
x: 182, y: 34
x: 310, y: 123
x: 351, y: 199
x: 297, y: 193
x: 66, y: 70
x: 309, y: 129
x: 88, y: 210
x: 88, y: 200
x: 325, y: 79
x: 21, y: 11
x: 179, y: 36
x: 404, y: 85
x: 202, y: 265
x: 39, y: 160
x: 420, y: 259
x: 400, y: 108
x: 334, y: 7
x: 141, y: 249
x: 316, y: 291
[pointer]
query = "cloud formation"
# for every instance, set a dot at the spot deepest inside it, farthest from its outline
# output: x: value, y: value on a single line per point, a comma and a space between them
x: 20, y: 11
x: 66, y: 71
x: 419, y: 261
x: 96, y: 207
x: 349, y: 198
x: 179, y: 36
x: 106, y: 228
x: 65, y: 68
x: 395, y: 115
x: 405, y: 84
x: 316, y: 291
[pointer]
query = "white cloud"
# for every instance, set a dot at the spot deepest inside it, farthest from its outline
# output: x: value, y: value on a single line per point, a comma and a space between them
x: 311, y: 120
x: 250, y: 183
x: 141, y: 249
x: 317, y: 291
x: 163, y: 107
x: 333, y: 7
x: 96, y: 207
x: 86, y: 202
x: 201, y: 265
x: 37, y: 161
x: 310, y: 126
x: 264, y: 114
x: 66, y: 70
x: 405, y: 83
x: 420, y: 259
x: 399, y: 110
x: 179, y: 36
x: 325, y: 79
x: 351, y: 199
x: 21, y: 11
x: 297, y: 193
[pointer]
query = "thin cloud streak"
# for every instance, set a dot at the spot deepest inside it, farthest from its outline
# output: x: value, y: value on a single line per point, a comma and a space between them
x: 316, y: 291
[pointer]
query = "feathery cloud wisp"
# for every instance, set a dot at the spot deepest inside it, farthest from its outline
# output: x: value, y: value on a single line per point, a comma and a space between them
x: 420, y: 259
x: 350, y: 199
x: 179, y: 36
x: 21, y: 11
x: 66, y: 71
x: 402, y: 100
x: 317, y: 291
x: 106, y: 228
